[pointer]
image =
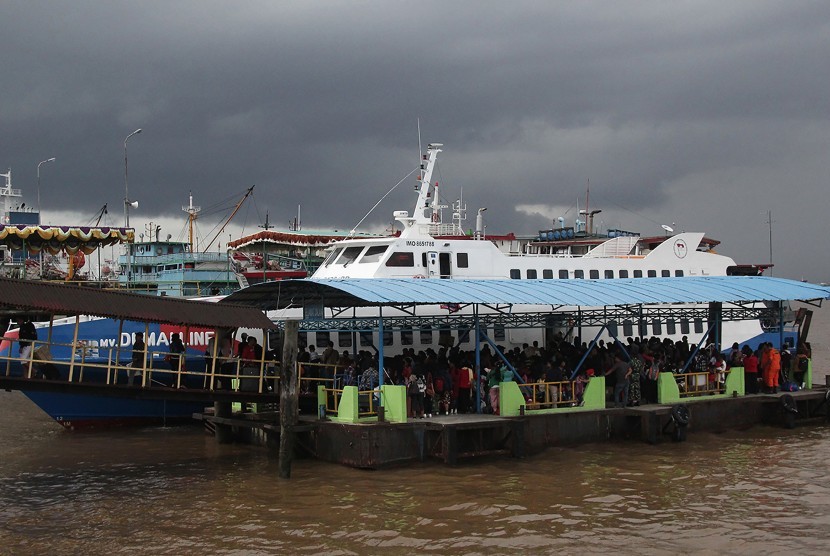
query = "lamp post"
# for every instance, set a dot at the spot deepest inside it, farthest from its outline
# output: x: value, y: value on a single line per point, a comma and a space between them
x: 126, y: 183
x: 127, y: 205
x: 38, y: 185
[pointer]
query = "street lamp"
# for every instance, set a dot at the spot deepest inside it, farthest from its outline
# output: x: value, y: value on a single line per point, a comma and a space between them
x: 127, y: 202
x: 38, y: 185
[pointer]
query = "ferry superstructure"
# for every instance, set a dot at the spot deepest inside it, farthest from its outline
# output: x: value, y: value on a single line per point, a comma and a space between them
x: 429, y: 248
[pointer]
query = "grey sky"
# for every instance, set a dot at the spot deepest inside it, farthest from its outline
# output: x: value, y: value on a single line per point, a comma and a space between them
x: 705, y: 114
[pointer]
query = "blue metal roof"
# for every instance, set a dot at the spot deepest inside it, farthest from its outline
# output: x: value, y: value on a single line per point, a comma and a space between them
x: 587, y: 293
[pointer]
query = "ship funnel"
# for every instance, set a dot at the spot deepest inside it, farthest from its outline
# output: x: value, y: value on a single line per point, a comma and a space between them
x: 480, y: 223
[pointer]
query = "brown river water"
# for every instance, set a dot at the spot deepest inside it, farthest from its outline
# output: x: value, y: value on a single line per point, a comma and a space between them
x: 175, y: 491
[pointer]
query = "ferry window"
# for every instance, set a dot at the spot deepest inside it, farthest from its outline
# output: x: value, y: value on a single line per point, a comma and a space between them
x: 612, y: 328
x: 684, y: 326
x: 463, y: 335
x: 499, y: 333
x: 665, y: 273
x: 678, y: 273
x: 609, y: 274
x: 580, y: 274
x: 515, y: 274
x: 652, y: 274
x: 698, y: 326
x: 563, y: 274
x: 671, y: 327
x: 406, y: 336
x: 322, y: 339
x: 423, y: 260
x: 373, y: 254
x: 657, y: 326
x: 333, y: 255
x: 426, y: 335
x: 623, y: 274
x: 594, y: 274
x: 445, y: 337
x: 365, y: 339
x: 643, y: 328
x: 349, y: 255
x: 462, y: 260
x: 401, y: 258
x: 638, y: 274
x: 302, y: 339
x: 531, y: 274
x: 628, y: 328
x: 387, y: 338
x: 547, y: 274
x: 344, y: 338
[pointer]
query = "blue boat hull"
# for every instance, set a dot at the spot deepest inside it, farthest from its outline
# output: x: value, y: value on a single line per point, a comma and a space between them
x: 75, y: 411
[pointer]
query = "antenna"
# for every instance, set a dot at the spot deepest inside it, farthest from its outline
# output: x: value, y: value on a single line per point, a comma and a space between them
x: 420, y: 151
x: 769, y: 222
x: 668, y: 229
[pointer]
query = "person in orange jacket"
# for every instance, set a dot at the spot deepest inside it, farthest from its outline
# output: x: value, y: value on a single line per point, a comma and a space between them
x: 771, y: 363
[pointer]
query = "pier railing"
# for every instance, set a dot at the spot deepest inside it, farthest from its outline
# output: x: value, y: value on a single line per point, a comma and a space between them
x: 672, y: 388
x: 312, y: 375
x: 548, y: 395
x: 513, y: 398
x: 114, y: 366
x: 352, y: 405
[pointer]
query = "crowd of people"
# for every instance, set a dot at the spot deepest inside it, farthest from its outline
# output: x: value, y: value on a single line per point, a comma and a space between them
x: 443, y: 382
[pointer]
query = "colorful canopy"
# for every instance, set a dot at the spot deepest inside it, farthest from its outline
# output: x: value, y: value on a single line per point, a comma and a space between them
x: 56, y: 239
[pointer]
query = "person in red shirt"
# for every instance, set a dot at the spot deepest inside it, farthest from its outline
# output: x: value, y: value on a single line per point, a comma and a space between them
x: 750, y: 363
x: 465, y: 388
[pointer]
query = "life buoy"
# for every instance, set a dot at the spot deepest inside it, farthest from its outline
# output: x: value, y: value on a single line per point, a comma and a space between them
x: 419, y: 276
x: 158, y: 250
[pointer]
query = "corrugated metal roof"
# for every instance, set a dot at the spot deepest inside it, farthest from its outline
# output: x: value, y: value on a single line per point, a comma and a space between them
x: 65, y: 299
x: 586, y: 293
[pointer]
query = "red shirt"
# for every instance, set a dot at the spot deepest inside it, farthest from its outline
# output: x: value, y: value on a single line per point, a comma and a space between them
x: 750, y: 364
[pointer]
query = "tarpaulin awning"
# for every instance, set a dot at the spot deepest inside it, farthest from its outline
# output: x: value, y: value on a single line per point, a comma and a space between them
x: 30, y: 296
x: 572, y: 292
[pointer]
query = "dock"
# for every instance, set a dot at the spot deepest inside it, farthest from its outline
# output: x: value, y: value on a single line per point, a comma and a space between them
x: 454, y: 439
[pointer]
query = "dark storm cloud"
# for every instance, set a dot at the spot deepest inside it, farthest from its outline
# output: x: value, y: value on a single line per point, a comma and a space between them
x: 701, y: 113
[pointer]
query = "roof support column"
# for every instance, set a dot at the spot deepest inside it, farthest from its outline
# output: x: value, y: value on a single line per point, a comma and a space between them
x: 700, y: 344
x: 72, y: 350
x: 477, y: 385
x: 118, y: 350
x: 380, y: 349
x: 780, y: 326
x: 715, y: 316
x: 588, y: 352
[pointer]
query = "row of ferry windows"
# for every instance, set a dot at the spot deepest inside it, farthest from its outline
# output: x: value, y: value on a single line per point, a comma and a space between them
x: 428, y: 335
x: 532, y: 274
x: 374, y: 253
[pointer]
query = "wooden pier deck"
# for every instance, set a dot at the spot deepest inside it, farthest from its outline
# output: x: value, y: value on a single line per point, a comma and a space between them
x: 453, y: 439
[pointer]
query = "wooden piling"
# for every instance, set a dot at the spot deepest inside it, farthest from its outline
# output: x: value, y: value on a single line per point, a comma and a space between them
x: 224, y: 432
x: 289, y: 401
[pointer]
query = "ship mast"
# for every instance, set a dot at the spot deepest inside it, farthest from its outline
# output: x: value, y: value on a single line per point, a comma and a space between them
x: 191, y: 219
x: 422, y: 215
x: 6, y: 195
x: 236, y: 208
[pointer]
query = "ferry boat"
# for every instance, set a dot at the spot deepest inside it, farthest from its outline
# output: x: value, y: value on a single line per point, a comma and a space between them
x: 429, y: 248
